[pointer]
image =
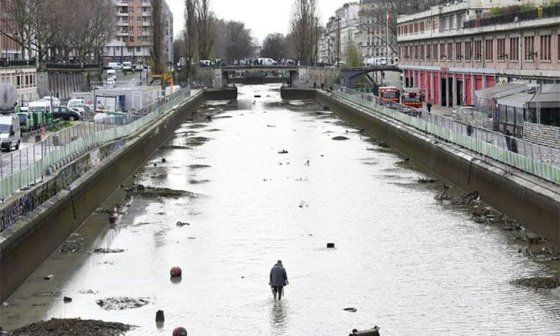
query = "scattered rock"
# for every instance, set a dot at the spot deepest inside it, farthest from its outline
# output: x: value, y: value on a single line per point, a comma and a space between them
x: 340, y: 138
x: 70, y: 327
x: 181, y: 224
x: 122, y: 303
x: 199, y: 166
x: 330, y: 245
x: 107, y: 251
x: 351, y: 309
x: 73, y: 244
x: 533, y: 238
x: 163, y: 160
x: 49, y: 277
x: 283, y: 151
x: 67, y: 299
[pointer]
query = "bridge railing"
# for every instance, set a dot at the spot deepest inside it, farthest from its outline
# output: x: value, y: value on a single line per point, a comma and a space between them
x: 541, y: 161
x: 25, y: 167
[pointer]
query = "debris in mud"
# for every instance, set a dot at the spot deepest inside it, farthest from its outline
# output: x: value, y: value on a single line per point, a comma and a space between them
x: 104, y: 211
x: 154, y: 192
x: 471, y: 198
x: 89, y: 291
x: 351, y: 309
x: 107, y: 251
x: 197, y: 141
x: 538, y: 282
x: 303, y: 205
x: 181, y: 224
x: 122, y: 303
x: 179, y: 331
x: 427, y: 180
x: 283, y: 151
x: 49, y: 277
x: 174, y: 147
x: 198, y: 181
x: 73, y: 244
x: 383, y: 144
x: 199, y: 166
x: 70, y: 327
x: 176, y: 272
x: 67, y: 299
x: 271, y: 126
x: 443, y: 195
x: 159, y: 176
x: 340, y: 138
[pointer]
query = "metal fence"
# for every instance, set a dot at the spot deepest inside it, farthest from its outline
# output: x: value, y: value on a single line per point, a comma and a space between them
x: 535, y: 159
x: 27, y: 166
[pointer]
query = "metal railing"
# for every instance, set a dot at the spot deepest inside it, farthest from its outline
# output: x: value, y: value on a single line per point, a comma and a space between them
x: 27, y: 166
x: 534, y: 159
x: 517, y: 14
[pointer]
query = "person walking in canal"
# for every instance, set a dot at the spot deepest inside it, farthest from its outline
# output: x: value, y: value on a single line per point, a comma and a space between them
x: 278, y: 279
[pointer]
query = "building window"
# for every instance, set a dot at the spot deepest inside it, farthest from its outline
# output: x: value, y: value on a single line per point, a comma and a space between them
x: 428, y: 52
x: 422, y: 52
x: 415, y: 52
x: 435, y: 50
x: 529, y: 48
x: 501, y: 44
x: 442, y: 51
x: 514, y: 49
x: 489, y: 50
x: 545, y: 47
x: 478, y: 50
x: 459, y: 50
x: 468, y: 50
x: 449, y: 51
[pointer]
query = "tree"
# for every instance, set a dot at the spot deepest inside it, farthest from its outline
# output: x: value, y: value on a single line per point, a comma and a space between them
x: 190, y: 35
x: 157, y: 37
x: 205, y: 29
x: 303, y: 28
x: 239, y: 42
x: 354, y: 56
x: 274, y: 46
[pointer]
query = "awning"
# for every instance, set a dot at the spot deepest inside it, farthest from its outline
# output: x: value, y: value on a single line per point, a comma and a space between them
x: 516, y: 100
x: 501, y: 90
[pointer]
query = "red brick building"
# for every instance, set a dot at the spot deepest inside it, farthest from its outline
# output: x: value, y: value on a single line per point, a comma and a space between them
x: 453, y: 50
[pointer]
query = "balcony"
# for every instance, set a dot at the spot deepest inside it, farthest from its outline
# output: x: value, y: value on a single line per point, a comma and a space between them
x: 518, y: 16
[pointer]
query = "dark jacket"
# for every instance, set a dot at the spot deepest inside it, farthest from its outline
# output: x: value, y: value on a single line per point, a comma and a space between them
x: 278, y: 276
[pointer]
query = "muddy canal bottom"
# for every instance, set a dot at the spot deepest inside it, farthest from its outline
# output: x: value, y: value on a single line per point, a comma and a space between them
x: 405, y: 262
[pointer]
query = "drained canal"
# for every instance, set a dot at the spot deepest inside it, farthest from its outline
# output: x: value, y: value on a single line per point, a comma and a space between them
x: 404, y: 260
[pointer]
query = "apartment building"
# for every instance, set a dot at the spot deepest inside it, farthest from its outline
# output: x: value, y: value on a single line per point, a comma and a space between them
x: 133, y: 32
x: 378, y: 39
x: 23, y: 77
x: 453, y: 50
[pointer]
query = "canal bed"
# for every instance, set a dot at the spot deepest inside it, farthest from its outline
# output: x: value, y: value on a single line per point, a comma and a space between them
x: 407, y: 263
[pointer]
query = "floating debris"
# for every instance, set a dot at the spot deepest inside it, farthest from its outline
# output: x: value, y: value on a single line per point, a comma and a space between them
x: 340, y: 138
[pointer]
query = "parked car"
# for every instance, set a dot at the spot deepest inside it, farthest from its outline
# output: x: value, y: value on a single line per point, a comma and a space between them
x: 54, y: 100
x: 267, y: 61
x: 66, y: 113
x: 112, y: 73
x: 206, y: 63
x: 127, y: 66
x: 10, y: 133
x: 139, y: 67
x: 114, y: 66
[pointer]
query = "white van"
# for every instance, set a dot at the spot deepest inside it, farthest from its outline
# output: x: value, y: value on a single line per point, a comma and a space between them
x: 127, y: 66
x: 10, y: 133
x: 114, y: 65
x: 55, y: 101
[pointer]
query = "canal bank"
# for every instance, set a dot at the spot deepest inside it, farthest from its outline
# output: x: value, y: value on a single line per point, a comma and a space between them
x: 268, y: 179
x: 532, y: 201
x: 75, y: 191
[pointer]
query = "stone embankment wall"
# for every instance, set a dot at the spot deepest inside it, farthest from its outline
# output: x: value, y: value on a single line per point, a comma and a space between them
x: 542, y: 134
x: 318, y: 75
x: 60, y: 83
x: 535, y: 204
x: 38, y: 225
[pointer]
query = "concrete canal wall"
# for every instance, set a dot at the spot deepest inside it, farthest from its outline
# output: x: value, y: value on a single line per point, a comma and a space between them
x: 26, y: 244
x: 518, y: 195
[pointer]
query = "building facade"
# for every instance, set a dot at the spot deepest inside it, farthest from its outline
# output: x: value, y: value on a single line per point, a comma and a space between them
x: 23, y: 78
x: 378, y: 40
x: 451, y: 51
x: 133, y: 32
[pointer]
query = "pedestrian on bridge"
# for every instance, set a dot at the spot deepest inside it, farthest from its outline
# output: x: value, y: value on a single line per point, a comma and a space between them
x: 278, y: 279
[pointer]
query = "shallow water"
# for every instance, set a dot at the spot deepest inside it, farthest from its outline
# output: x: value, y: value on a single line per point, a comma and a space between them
x: 407, y: 263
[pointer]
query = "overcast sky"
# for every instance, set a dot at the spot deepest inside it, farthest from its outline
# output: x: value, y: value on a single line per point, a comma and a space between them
x: 261, y: 16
